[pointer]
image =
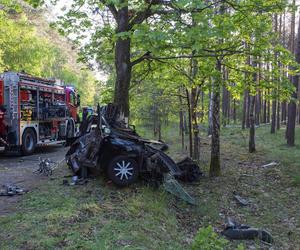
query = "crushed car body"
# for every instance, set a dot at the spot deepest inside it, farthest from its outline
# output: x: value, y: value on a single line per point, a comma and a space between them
x: 105, y: 143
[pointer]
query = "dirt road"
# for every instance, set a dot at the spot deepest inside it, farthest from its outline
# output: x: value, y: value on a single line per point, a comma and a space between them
x: 19, y: 170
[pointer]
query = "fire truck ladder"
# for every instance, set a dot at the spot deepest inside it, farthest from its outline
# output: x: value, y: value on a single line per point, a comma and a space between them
x: 13, y: 101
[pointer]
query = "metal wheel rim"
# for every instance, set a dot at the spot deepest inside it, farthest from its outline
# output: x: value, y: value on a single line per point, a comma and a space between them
x: 123, y: 170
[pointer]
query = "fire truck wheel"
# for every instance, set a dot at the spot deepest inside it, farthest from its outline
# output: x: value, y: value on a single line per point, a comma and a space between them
x: 123, y: 170
x: 28, y: 142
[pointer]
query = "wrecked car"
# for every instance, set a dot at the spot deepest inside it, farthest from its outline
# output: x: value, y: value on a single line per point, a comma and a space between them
x: 106, y: 143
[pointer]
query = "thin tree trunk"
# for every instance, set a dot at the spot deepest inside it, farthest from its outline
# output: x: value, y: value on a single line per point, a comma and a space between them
x: 273, y: 121
x: 181, y: 125
x: 209, y: 131
x: 292, y: 49
x: 159, y: 130
x: 155, y: 127
x: 215, y: 168
x: 185, y: 126
x: 257, y: 109
x: 268, y: 109
x: 292, y: 105
x: 265, y: 109
x: 251, y: 116
x: 298, y: 110
x: 283, y: 112
x: 193, y: 103
x: 252, y: 126
x: 248, y: 110
x: 224, y: 105
x: 234, y: 111
x: 196, y: 153
x: 202, y: 107
x: 278, y: 115
x: 245, y: 109
x: 190, y: 123
x: 274, y: 102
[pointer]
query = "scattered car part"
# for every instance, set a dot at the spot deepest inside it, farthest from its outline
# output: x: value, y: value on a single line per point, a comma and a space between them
x: 46, y: 166
x: 75, y: 181
x: 271, y: 164
x: 11, y: 190
x: 240, y: 200
x: 172, y: 186
x: 190, y: 170
x: 236, y: 231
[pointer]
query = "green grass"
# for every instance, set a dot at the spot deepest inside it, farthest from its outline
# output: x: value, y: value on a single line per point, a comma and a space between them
x: 272, y: 146
x: 100, y: 216
x: 94, y: 216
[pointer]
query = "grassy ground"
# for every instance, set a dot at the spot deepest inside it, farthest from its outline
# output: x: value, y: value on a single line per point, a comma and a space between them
x: 101, y: 216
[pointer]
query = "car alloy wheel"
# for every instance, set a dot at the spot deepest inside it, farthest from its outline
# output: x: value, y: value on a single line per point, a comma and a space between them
x: 123, y: 169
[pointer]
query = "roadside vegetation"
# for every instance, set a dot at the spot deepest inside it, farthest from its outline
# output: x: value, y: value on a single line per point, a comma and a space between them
x: 100, y: 216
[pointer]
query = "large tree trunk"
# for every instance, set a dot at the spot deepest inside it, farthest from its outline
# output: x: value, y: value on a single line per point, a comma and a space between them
x: 215, y: 168
x: 123, y: 65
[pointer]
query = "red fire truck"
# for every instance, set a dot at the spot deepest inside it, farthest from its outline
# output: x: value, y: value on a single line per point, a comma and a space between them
x: 35, y: 111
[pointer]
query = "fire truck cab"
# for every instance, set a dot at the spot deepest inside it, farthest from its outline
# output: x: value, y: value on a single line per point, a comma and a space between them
x: 35, y: 111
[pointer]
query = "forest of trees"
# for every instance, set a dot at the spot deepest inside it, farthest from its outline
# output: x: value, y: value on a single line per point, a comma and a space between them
x: 195, y: 62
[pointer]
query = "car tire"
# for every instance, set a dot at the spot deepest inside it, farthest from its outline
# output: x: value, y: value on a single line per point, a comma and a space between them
x: 28, y: 142
x: 123, y: 170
